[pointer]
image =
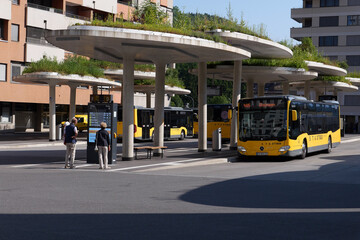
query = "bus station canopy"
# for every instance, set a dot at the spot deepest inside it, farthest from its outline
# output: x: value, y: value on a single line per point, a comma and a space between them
x: 259, y: 47
x: 151, y: 89
x: 260, y: 74
x: 115, y: 44
x: 118, y: 74
x: 325, y: 69
x: 355, y: 81
x: 327, y: 86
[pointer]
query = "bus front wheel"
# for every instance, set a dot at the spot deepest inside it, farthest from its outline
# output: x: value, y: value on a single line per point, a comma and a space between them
x: 303, y: 150
x: 329, y: 148
x: 182, y: 136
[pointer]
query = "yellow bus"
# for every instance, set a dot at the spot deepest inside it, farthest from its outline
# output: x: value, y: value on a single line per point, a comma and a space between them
x: 217, y: 117
x: 178, y: 123
x: 287, y: 126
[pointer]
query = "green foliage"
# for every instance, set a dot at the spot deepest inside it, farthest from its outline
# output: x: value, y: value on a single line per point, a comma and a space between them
x: 353, y: 75
x: 150, y: 13
x: 218, y: 100
x: 333, y: 79
x: 71, y: 65
x: 172, y: 78
x: 176, y: 101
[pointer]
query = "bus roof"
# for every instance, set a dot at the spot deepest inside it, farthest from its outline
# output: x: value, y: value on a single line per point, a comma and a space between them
x: 291, y: 98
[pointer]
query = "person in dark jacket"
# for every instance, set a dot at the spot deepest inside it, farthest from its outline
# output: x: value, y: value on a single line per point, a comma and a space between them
x: 70, y: 143
x: 103, y: 144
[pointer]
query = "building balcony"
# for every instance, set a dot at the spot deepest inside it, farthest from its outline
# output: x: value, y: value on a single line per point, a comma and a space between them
x: 52, y: 20
x: 35, y: 51
x: 5, y: 10
x: 298, y: 33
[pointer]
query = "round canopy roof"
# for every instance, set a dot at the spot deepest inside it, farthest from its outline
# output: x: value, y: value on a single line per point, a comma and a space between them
x: 151, y: 89
x: 355, y: 81
x: 328, y: 85
x: 259, y: 47
x: 260, y: 74
x: 115, y: 44
x: 58, y: 79
x: 118, y: 74
x: 325, y: 70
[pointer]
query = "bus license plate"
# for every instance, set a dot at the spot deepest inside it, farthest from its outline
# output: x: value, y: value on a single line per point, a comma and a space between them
x: 261, y: 154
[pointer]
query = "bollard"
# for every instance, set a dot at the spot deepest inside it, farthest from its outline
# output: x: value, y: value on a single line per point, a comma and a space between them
x: 216, y: 140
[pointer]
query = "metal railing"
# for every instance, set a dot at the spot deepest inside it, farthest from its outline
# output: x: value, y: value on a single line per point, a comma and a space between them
x: 71, y: 15
x: 40, y: 41
x: 41, y: 7
x: 127, y: 3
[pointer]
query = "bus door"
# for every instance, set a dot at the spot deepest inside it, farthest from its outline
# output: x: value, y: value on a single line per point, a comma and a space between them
x: 146, y: 123
x: 167, y: 124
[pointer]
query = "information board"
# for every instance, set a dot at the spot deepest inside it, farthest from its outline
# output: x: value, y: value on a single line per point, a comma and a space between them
x: 98, y: 114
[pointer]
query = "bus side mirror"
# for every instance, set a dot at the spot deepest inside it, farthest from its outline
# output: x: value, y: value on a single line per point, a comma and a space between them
x: 294, y: 115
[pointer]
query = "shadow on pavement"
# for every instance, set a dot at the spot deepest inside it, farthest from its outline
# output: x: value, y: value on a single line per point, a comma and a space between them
x: 180, y: 226
x: 335, y: 185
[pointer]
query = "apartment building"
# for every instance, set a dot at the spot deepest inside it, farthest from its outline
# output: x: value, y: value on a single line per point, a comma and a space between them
x: 334, y: 26
x: 23, y: 24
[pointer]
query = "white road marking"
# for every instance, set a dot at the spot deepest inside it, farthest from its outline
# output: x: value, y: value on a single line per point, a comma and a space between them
x: 351, y: 140
x: 156, y: 165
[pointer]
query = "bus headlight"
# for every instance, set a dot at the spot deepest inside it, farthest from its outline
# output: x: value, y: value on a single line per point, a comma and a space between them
x: 284, y: 148
x: 241, y: 149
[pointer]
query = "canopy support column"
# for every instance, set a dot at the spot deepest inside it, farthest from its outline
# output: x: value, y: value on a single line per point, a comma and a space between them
x: 261, y: 89
x: 286, y: 88
x: 128, y: 110
x: 250, y: 88
x: 72, y: 107
x: 202, y: 99
x: 307, y: 90
x: 235, y: 100
x: 52, y: 111
x: 159, y: 107
x: 148, y: 99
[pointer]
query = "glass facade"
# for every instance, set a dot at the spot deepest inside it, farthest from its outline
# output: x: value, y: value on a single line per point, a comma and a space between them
x: 329, y: 3
x: 328, y: 41
x: 329, y: 21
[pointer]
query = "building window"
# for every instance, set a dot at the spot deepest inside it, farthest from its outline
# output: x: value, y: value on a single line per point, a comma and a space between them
x: 328, y: 41
x: 353, y: 20
x: 2, y: 72
x: 353, y: 40
x: 16, y: 69
x: 2, y: 29
x: 14, y: 32
x: 17, y: 2
x: 353, y: 2
x: 352, y: 100
x: 307, y: 22
x: 329, y: 3
x: 353, y: 60
x: 5, y: 112
x: 308, y: 3
x: 329, y: 21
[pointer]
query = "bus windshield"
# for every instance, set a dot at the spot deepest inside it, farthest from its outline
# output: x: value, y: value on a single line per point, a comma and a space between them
x: 262, y: 119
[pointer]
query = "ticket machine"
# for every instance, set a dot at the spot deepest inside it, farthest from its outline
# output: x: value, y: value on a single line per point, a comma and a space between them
x: 101, y: 109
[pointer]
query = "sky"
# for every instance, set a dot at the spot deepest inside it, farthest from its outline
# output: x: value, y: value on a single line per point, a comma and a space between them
x: 275, y: 15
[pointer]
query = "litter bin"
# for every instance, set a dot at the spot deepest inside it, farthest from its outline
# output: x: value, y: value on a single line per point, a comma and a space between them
x: 216, y: 140
x: 59, y: 132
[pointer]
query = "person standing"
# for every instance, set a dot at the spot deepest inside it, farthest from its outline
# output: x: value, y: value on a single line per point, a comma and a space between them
x: 103, y: 144
x: 71, y: 133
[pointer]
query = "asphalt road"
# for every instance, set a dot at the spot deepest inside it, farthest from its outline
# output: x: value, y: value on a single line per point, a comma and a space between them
x: 182, y: 196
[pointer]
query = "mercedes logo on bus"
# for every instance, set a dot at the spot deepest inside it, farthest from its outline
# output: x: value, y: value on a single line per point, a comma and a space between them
x: 262, y: 148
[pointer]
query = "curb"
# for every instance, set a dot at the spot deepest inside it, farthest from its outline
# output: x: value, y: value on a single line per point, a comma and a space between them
x: 37, y: 145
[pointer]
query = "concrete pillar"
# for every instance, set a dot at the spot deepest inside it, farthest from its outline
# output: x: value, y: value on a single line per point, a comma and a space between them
x: 202, y: 100
x: 128, y: 110
x: 261, y: 89
x: 38, y: 118
x: 250, y: 88
x: 95, y: 90
x: 159, y: 107
x: 307, y: 90
x: 286, y: 88
x: 235, y: 99
x: 52, y: 112
x: 318, y: 93
x: 148, y: 99
x: 72, y: 107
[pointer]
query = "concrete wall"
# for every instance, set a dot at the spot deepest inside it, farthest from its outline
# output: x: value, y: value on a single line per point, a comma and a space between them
x: 35, y: 52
